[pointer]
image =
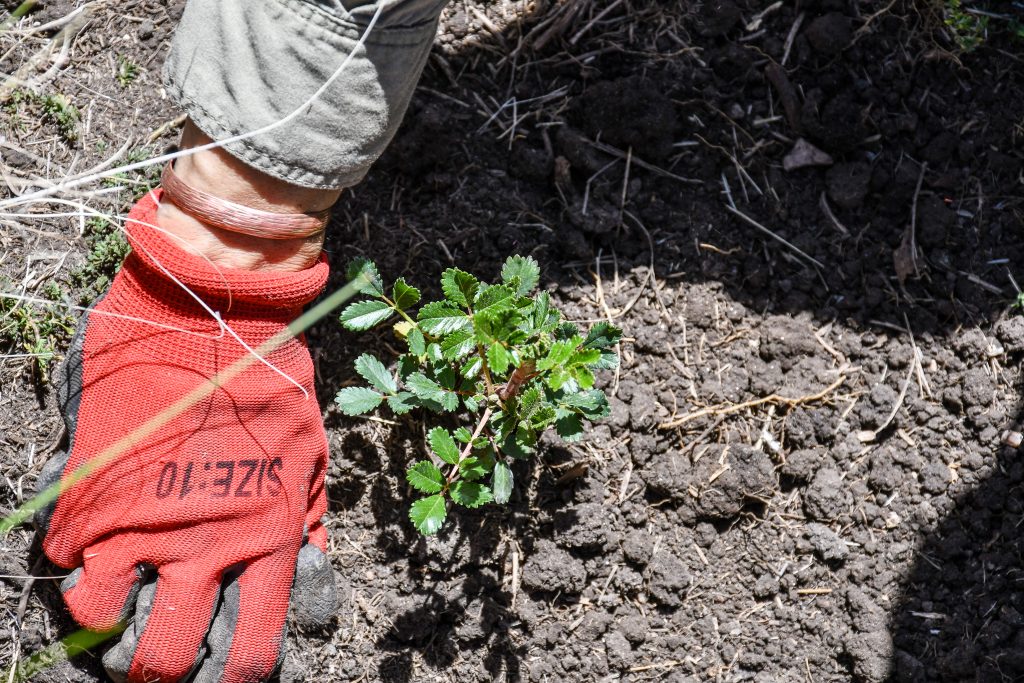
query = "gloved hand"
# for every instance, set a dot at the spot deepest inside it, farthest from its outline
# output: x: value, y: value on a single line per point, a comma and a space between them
x: 198, y: 526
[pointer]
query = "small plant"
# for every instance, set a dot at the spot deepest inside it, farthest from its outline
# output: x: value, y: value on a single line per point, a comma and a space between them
x: 1018, y: 303
x: 25, y: 105
x: 107, y: 249
x: 35, y: 331
x: 498, y: 358
x: 969, y: 30
x: 127, y: 71
x: 63, y: 114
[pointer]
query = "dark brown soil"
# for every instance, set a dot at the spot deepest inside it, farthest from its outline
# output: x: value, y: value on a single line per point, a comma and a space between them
x: 803, y: 477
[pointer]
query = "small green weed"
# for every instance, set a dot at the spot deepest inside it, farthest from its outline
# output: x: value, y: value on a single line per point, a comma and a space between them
x: 107, y: 249
x: 33, y: 329
x: 63, y: 114
x: 969, y: 30
x: 127, y: 71
x: 54, y: 109
x: 498, y: 359
x: 1019, y: 303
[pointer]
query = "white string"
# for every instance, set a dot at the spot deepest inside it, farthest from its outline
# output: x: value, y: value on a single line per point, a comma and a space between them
x: 92, y: 311
x: 76, y: 181
x: 215, y: 315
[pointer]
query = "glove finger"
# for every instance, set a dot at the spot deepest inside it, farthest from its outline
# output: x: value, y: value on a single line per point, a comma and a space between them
x: 314, y: 594
x: 48, y: 476
x: 257, y: 646
x: 220, y: 635
x: 118, y: 659
x: 101, y: 593
x: 170, y: 645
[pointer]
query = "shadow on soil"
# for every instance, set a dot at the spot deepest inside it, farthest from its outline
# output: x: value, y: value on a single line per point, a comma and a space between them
x: 603, y: 136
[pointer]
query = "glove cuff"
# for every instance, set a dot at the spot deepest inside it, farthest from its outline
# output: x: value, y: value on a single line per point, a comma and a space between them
x: 156, y: 254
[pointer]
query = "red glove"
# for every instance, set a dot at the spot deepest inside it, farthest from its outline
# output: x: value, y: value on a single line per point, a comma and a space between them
x: 232, y: 483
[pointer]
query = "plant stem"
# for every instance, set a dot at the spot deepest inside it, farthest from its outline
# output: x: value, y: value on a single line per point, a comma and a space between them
x: 469, y: 446
x: 400, y: 312
x: 485, y: 369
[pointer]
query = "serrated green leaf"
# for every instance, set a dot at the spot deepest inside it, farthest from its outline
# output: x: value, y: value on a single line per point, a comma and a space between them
x: 493, y: 301
x: 472, y: 403
x: 402, y: 402
x: 443, y: 445
x: 543, y: 416
x: 404, y: 294
x: 439, y: 318
x: 501, y: 483
x: 477, y: 466
x: 462, y: 434
x: 428, y: 514
x: 518, y: 445
x: 459, y: 286
x: 449, y: 401
x: 364, y: 273
x: 558, y: 354
x: 583, y: 376
x: 566, y: 330
x: 593, y: 403
x: 434, y: 352
x: 602, y: 336
x: 585, y: 357
x: 458, y: 344
x: 357, y: 400
x: 529, y: 401
x: 472, y: 367
x: 544, y: 318
x: 446, y: 377
x: 609, y: 361
x: 471, y: 494
x: 408, y: 364
x: 523, y: 267
x: 423, y: 386
x: 498, y: 358
x: 374, y: 372
x: 425, y: 476
x: 416, y: 341
x: 362, y: 315
x: 569, y: 427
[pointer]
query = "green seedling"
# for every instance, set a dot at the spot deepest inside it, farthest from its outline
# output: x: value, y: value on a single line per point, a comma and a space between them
x: 34, y: 331
x: 63, y: 114
x: 107, y: 249
x: 55, y: 109
x: 127, y: 71
x: 499, y: 359
x: 969, y: 30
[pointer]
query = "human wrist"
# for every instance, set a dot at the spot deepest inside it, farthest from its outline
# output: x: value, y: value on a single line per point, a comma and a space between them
x: 217, y: 173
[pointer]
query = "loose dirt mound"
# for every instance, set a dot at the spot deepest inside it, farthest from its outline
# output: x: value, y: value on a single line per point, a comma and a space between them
x: 807, y: 219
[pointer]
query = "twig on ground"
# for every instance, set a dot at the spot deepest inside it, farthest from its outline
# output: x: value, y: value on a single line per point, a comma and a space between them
x: 867, y: 436
x: 590, y: 24
x: 922, y: 381
x: 173, y: 124
x: 827, y: 210
x: 791, y: 37
x: 650, y: 267
x: 615, y: 151
x: 774, y: 236
x: 913, y: 218
x: 776, y: 399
